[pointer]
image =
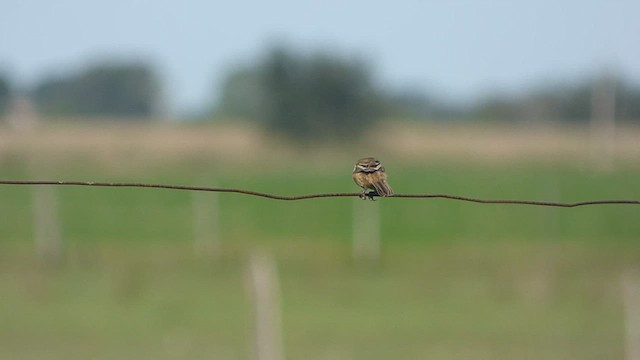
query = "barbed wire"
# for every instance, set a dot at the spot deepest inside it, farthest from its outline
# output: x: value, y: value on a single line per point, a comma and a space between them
x: 313, y: 196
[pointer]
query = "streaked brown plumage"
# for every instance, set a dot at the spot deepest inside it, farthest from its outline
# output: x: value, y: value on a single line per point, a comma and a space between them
x: 369, y: 174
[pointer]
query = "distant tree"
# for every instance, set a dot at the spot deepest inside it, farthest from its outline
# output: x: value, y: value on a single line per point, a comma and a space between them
x: 242, y: 94
x: 316, y: 96
x: 121, y: 90
x: 412, y: 103
x: 5, y: 95
x: 323, y: 95
x: 286, y: 106
x: 340, y: 96
x: 498, y: 108
x: 568, y: 102
x: 56, y: 96
x: 628, y: 102
x: 575, y: 104
x: 565, y: 102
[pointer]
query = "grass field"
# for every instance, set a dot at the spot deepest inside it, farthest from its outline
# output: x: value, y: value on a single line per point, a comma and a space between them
x: 454, y: 281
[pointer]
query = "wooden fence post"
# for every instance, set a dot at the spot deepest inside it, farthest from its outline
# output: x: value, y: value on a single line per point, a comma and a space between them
x: 264, y: 291
x: 631, y: 300
x: 366, y: 230
x: 206, y: 224
x: 603, y: 126
x: 46, y: 225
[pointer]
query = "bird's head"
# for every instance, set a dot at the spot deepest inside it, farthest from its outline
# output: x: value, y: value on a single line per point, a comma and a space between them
x: 367, y: 165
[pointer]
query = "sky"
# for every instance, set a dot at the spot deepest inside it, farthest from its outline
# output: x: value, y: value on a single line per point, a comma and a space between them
x: 456, y: 49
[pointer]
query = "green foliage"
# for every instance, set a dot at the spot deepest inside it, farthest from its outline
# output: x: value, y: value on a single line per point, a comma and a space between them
x: 497, y: 107
x: 242, y: 94
x: 124, y: 90
x: 322, y: 95
x: 325, y: 95
x: 5, y: 94
x: 412, y: 103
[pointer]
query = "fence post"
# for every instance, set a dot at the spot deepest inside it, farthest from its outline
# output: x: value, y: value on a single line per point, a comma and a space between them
x: 23, y: 118
x: 631, y: 301
x: 366, y: 230
x: 264, y: 291
x: 603, y: 112
x: 206, y: 224
x: 549, y: 217
x: 46, y: 225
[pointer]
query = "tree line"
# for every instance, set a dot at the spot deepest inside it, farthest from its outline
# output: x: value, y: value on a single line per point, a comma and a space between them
x: 115, y: 90
x: 309, y: 95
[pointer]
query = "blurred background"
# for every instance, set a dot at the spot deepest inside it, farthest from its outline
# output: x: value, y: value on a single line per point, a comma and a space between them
x: 534, y: 100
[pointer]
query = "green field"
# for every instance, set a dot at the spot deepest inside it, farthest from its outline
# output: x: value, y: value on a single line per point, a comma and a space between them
x: 454, y: 280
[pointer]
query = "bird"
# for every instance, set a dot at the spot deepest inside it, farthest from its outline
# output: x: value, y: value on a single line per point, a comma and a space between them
x: 369, y: 174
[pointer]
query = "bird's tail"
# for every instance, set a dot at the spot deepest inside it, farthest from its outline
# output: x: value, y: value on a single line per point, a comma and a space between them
x: 382, y: 188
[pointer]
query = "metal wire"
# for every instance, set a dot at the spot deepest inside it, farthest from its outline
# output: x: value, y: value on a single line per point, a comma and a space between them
x: 313, y: 196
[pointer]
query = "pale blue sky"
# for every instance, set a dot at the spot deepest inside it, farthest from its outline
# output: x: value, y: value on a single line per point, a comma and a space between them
x: 457, y: 48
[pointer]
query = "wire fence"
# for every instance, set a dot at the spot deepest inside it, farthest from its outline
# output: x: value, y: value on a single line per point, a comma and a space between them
x: 321, y: 195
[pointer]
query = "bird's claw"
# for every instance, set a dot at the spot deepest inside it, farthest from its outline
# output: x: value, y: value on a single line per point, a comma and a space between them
x: 367, y: 195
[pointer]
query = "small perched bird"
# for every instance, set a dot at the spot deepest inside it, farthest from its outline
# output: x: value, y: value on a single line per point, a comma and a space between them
x: 369, y: 174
